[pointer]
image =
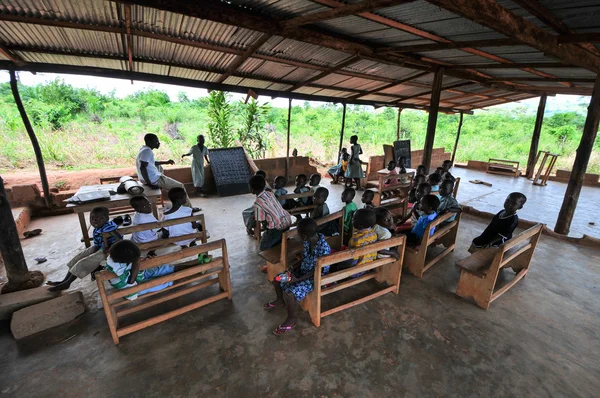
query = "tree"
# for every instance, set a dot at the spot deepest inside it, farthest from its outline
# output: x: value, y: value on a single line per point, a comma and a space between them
x: 219, y: 127
x: 252, y: 133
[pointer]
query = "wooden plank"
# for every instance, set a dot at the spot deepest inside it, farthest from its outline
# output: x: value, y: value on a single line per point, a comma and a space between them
x: 343, y: 285
x: 357, y: 302
x: 160, y: 224
x: 339, y: 275
x: 591, y: 37
x: 516, y: 65
x: 360, y: 251
x: 582, y: 158
x: 419, y: 48
x: 510, y: 284
x: 171, y: 314
x: 490, y: 14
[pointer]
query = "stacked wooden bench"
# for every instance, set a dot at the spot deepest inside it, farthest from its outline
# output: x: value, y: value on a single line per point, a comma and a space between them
x: 416, y: 257
x: 503, y: 167
x: 185, y: 281
x: 279, y: 257
x: 386, y: 195
x: 479, y: 272
x: 159, y: 243
x: 384, y: 270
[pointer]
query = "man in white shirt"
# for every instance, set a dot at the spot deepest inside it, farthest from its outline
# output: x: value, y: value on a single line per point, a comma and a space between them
x: 149, y: 170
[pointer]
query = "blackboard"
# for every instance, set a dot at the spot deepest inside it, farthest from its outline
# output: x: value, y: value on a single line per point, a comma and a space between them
x: 231, y: 170
x: 402, y: 148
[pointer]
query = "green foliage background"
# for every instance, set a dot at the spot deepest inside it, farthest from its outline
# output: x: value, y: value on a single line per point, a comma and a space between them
x: 81, y: 128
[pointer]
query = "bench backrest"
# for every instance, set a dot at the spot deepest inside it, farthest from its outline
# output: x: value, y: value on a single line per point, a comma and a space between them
x: 439, y: 231
x: 456, y: 184
x: 518, y: 248
x: 201, y: 235
x: 383, y: 178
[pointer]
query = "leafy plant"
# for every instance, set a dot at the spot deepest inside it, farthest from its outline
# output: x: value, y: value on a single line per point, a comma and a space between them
x: 252, y: 133
x: 219, y: 128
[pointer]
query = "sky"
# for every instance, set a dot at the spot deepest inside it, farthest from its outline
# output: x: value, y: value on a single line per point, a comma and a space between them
x: 124, y: 88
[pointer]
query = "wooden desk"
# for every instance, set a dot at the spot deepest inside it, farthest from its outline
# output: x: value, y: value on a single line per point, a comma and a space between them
x: 118, y: 200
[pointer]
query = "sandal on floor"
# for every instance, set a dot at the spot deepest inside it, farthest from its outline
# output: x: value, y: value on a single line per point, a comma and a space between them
x: 269, y: 306
x: 281, y: 330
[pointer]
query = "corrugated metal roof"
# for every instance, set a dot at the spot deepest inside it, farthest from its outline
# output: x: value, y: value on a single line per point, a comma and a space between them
x: 97, y: 12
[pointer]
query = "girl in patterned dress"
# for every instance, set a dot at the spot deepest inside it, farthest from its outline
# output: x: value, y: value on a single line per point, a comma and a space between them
x: 302, y: 274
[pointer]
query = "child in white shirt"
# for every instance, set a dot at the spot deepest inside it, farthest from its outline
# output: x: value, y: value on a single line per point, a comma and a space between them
x: 179, y: 210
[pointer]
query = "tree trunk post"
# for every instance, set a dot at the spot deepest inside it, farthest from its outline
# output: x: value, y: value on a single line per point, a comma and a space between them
x: 34, y: 142
x: 342, y: 131
x: 19, y: 277
x: 398, y: 125
x: 460, y: 123
x: 582, y: 158
x: 287, y: 154
x: 535, y: 139
x: 433, y: 115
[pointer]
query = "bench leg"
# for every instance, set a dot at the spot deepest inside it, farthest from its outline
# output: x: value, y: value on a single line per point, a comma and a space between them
x: 313, y: 303
x: 111, y: 316
x: 273, y: 270
x: 415, y: 262
x: 470, y: 286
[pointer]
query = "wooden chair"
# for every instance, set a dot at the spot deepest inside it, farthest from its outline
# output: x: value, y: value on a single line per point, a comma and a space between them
x: 185, y: 281
x: 479, y: 271
x: 503, y: 167
x: 416, y: 257
x: 160, y: 243
x: 387, y: 270
x: 541, y: 177
x: 279, y: 257
x: 393, y: 193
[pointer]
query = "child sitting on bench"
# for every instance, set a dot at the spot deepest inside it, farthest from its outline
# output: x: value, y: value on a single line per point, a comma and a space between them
x: 268, y: 211
x: 422, y: 169
x: 321, y: 210
x: 301, y: 188
x: 302, y: 274
x: 349, y: 208
x: 503, y: 224
x: 447, y: 201
x: 248, y: 214
x: 143, y: 215
x: 179, y: 210
x: 364, y: 234
x: 392, y: 172
x: 435, y: 180
x: 279, y: 189
x: 338, y: 170
x: 383, y: 227
x: 124, y: 262
x: 89, y: 260
x: 428, y: 206
x: 412, y: 194
x: 446, y: 175
x: 367, y: 199
x: 314, y: 182
x: 412, y: 217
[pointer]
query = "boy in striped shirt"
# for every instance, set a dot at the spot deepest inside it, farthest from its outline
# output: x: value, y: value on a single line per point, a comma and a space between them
x: 269, y: 212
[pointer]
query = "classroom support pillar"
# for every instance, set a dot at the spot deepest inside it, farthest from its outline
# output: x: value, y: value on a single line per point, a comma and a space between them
x: 535, y: 139
x: 287, y: 154
x: 342, y: 131
x: 398, y: 126
x: 460, y: 123
x: 19, y: 277
x: 582, y: 158
x: 433, y: 115
x: 34, y: 142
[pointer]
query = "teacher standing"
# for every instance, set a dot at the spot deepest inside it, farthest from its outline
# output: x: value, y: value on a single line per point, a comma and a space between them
x: 199, y: 153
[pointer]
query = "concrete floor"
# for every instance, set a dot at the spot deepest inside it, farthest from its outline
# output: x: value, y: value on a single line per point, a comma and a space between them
x: 539, y: 339
x: 543, y: 203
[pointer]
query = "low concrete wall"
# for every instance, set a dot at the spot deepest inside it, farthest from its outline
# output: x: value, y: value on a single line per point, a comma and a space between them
x: 376, y: 163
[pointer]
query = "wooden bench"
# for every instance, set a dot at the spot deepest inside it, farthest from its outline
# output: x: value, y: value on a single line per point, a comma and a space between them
x: 387, y: 270
x: 392, y: 193
x: 416, y: 257
x: 279, y: 257
x: 479, y: 271
x: 160, y: 243
x: 503, y: 167
x: 456, y: 184
x: 185, y: 281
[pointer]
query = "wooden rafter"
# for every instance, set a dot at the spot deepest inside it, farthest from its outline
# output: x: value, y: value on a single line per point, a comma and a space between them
x: 128, y: 38
x: 390, y: 85
x: 447, y: 88
x: 240, y: 59
x: 541, y: 13
x: 457, y: 45
x: 418, y: 32
x: 544, y: 79
x: 327, y: 72
x: 511, y: 66
x: 490, y: 14
x: 11, y: 55
x: 593, y: 37
x: 346, y: 10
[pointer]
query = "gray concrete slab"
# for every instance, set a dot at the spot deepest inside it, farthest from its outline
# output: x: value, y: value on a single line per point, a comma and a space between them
x: 543, y: 203
x: 538, y: 339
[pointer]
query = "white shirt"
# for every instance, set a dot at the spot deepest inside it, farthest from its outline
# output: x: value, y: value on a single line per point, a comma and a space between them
x: 382, y: 234
x: 146, y: 155
x: 147, y: 235
x: 180, y: 229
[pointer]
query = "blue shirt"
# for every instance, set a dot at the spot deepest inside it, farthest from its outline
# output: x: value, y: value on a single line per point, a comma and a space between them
x: 279, y: 192
x: 108, y: 227
x: 422, y: 223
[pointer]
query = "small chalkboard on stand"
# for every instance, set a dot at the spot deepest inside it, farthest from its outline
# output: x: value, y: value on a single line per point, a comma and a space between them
x: 231, y: 170
x: 402, y: 148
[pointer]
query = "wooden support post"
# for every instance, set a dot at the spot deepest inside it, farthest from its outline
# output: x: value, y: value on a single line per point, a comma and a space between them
x: 287, y: 154
x: 34, y: 142
x: 460, y: 123
x: 535, y: 140
x: 582, y: 158
x: 342, y: 131
x: 19, y: 277
x: 398, y: 126
x: 433, y: 115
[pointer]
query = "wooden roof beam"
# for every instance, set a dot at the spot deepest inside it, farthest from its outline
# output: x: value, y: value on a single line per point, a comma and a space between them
x: 390, y: 85
x: 510, y: 66
x: 543, y: 79
x: 592, y: 37
x: 10, y: 55
x: 240, y: 59
x: 350, y: 9
x: 327, y: 72
x: 490, y: 14
x: 457, y: 85
x: 128, y: 38
x: 457, y: 45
